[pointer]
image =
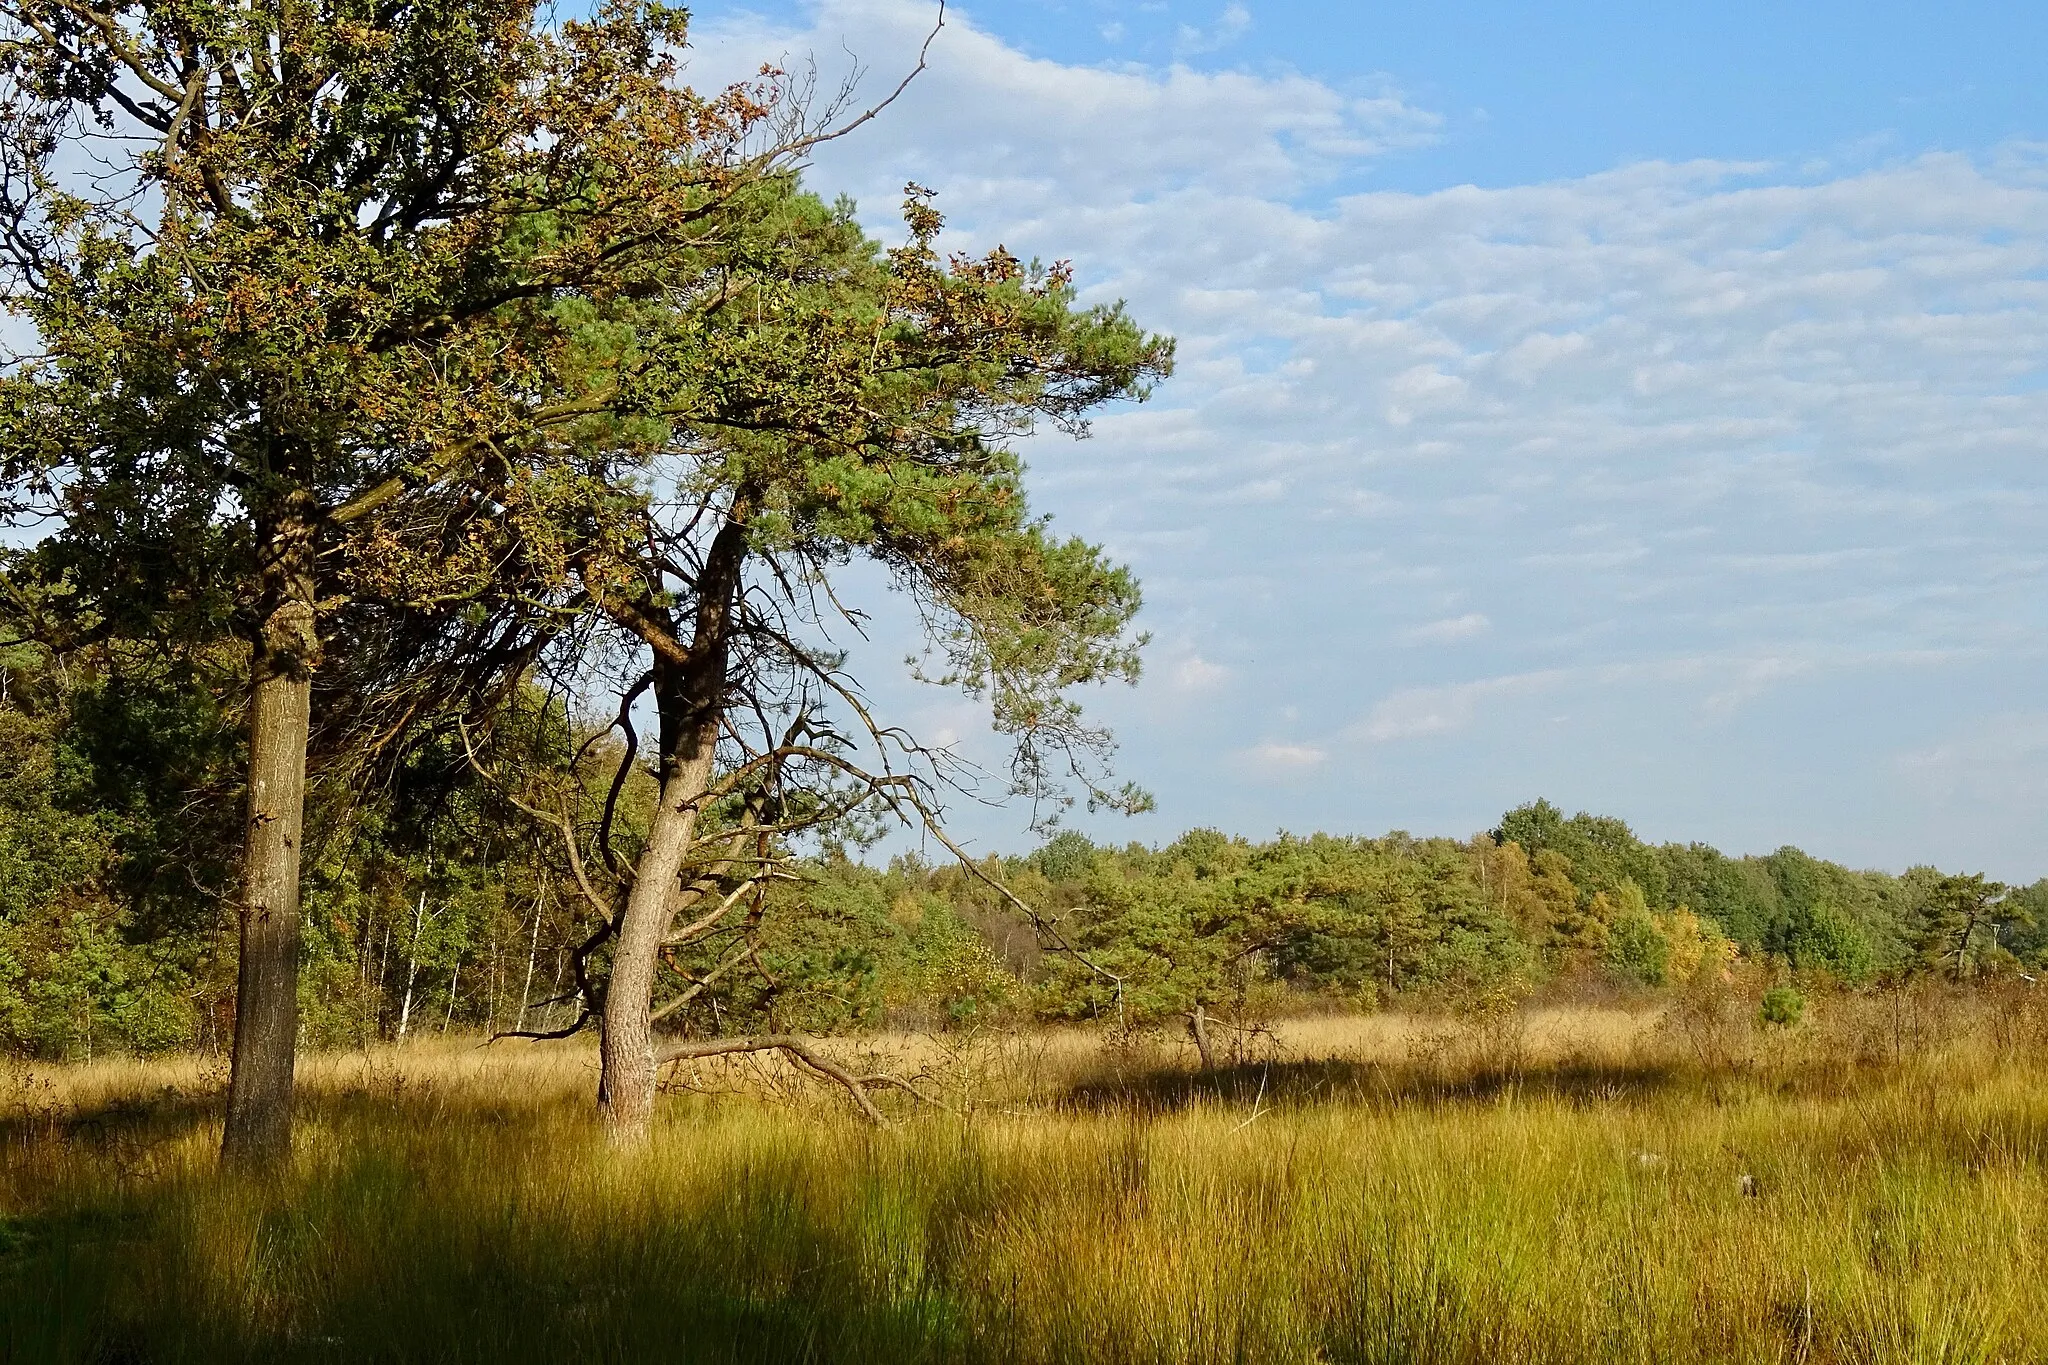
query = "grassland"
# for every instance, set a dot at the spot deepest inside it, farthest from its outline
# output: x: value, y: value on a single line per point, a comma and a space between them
x: 1576, y: 1186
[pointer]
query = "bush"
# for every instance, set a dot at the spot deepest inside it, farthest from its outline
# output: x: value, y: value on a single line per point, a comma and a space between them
x: 1636, y: 947
x: 1782, y: 1006
x: 1824, y: 937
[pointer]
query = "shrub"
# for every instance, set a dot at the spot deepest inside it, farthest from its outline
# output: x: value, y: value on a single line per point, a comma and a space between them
x: 1782, y: 1006
x: 1636, y: 947
x: 1825, y: 937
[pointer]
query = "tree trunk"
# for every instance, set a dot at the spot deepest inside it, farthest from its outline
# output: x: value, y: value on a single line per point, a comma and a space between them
x: 626, y: 1079
x: 412, y: 966
x: 1198, y: 1029
x: 259, y: 1122
x: 491, y: 988
x: 532, y: 950
x: 383, y: 979
x: 689, y: 690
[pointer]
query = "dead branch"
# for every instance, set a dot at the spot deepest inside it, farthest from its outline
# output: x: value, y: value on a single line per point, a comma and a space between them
x: 567, y: 1031
x: 798, y: 1048
x: 802, y: 145
x: 701, y: 984
x: 801, y: 1050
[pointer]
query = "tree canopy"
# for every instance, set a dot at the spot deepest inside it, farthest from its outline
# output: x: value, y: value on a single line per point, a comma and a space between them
x: 403, y: 343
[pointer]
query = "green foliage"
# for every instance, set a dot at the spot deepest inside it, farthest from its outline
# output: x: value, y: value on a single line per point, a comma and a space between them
x: 1207, y: 920
x: 1738, y: 894
x: 433, y: 888
x: 2026, y: 934
x: 1782, y: 1006
x: 1961, y: 924
x: 1636, y: 947
x: 1821, y: 936
x: 1604, y: 852
x: 101, y: 947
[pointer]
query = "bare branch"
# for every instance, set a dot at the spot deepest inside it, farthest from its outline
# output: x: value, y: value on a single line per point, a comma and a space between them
x: 799, y: 1048
x: 802, y: 145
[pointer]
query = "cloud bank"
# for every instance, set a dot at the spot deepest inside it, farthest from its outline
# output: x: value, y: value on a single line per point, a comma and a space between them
x: 1491, y: 478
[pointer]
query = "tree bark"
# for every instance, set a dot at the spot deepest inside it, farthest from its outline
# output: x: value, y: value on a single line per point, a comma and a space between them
x: 287, y: 649
x: 1198, y: 1029
x: 689, y: 690
x: 412, y: 966
x: 626, y: 1076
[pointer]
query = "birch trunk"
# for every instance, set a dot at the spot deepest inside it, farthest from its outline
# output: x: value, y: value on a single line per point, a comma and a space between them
x: 412, y: 965
x: 532, y: 950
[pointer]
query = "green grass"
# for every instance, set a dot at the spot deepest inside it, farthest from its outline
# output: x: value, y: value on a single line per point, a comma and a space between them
x: 1337, y: 1210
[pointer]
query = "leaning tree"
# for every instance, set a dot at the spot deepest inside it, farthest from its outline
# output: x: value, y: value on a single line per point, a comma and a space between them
x: 309, y: 286
x: 809, y: 402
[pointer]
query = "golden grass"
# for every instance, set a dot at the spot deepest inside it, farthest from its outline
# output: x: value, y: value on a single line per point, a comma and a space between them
x: 1366, y: 1190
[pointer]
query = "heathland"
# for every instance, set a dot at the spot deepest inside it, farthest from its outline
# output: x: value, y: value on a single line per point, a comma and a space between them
x: 1667, y: 1179
x: 452, y: 460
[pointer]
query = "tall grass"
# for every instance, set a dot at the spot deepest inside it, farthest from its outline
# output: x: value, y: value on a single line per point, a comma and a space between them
x: 1613, y: 1199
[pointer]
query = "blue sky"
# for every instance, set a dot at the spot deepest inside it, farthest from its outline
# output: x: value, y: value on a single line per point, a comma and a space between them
x: 1641, y: 406
x: 1535, y: 92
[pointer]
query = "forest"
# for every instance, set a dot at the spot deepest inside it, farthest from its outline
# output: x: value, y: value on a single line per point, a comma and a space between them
x: 434, y: 906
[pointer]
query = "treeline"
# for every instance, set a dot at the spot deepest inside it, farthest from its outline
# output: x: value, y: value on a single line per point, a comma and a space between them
x: 434, y: 905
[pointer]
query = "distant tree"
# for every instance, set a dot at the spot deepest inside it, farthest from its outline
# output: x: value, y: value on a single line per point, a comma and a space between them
x: 2027, y: 937
x: 107, y: 919
x: 1191, y: 931
x: 1819, y: 935
x: 1636, y: 946
x: 1737, y: 894
x: 1535, y: 895
x: 1963, y: 917
x: 1184, y: 933
x: 1603, y: 851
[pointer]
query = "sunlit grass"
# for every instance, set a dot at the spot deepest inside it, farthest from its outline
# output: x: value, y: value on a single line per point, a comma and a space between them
x: 1366, y: 1195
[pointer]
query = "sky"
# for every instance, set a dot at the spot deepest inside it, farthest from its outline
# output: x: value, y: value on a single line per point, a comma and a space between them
x: 1642, y: 407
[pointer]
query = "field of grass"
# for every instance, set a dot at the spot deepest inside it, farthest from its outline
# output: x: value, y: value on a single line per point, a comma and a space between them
x: 1586, y: 1186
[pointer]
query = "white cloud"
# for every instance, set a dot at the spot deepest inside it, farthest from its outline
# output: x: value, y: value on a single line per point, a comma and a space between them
x: 1233, y: 23
x: 1422, y: 388
x: 1414, y: 712
x: 1195, y: 674
x: 1017, y: 137
x: 945, y: 723
x: 1711, y: 687
x: 1770, y: 418
x: 1753, y: 679
x: 1995, y: 762
x: 1284, y: 760
x: 1450, y: 630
